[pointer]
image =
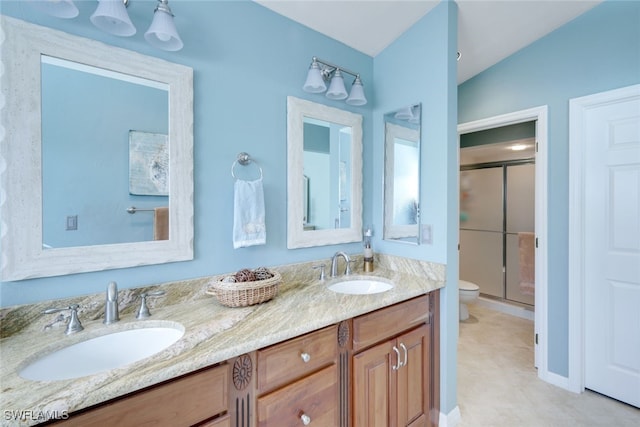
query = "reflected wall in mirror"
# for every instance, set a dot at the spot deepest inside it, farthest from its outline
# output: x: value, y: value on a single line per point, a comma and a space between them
x: 402, y: 174
x: 68, y: 155
x: 103, y: 135
x: 324, y: 175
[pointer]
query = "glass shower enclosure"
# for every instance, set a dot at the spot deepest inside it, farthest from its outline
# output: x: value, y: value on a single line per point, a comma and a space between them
x: 496, y: 204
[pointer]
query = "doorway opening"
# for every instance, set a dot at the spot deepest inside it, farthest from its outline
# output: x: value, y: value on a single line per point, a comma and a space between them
x: 536, y: 118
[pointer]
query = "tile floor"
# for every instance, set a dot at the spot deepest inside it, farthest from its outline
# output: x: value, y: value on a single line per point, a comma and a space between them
x: 498, y: 385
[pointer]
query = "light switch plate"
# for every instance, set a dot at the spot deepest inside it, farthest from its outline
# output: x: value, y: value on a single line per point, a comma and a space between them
x: 72, y: 222
x: 426, y: 236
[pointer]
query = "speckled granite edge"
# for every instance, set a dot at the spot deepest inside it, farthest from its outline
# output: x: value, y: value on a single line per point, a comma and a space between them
x: 213, y: 333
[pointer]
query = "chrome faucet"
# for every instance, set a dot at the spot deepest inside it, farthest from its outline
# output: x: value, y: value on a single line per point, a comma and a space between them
x: 111, y: 314
x: 143, y: 311
x: 334, y: 264
x: 74, y: 324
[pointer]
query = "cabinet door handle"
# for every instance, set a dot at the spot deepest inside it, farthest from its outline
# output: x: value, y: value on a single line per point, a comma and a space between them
x: 404, y: 363
x: 306, y: 419
x: 305, y: 357
x: 398, y: 365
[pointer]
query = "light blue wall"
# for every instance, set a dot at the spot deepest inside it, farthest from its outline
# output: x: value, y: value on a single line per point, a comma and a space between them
x: 246, y: 61
x: 98, y: 146
x: 598, y: 51
x: 420, y: 67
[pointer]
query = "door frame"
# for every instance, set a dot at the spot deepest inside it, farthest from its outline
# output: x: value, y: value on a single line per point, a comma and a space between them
x: 540, y: 116
x: 577, y: 170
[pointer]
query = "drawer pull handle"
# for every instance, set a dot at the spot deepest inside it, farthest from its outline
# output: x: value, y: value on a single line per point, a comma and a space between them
x: 404, y: 363
x: 305, y: 358
x: 306, y: 419
x: 396, y: 367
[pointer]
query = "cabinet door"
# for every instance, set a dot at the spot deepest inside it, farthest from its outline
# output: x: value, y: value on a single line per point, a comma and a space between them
x: 373, y: 386
x: 413, y: 378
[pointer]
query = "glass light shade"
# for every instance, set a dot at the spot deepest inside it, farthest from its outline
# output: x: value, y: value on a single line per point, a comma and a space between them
x: 314, y: 82
x: 111, y: 16
x: 162, y: 32
x: 356, y: 96
x: 415, y: 113
x: 59, y: 8
x: 404, y: 113
x: 336, y: 88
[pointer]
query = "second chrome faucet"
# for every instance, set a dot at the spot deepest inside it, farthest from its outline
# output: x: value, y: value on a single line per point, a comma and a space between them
x: 111, y: 314
x: 334, y: 264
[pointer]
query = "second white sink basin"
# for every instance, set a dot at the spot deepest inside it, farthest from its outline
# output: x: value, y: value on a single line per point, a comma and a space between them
x: 102, y: 353
x: 361, y: 286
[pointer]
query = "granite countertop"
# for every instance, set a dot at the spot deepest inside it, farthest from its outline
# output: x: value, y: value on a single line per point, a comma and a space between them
x: 213, y: 333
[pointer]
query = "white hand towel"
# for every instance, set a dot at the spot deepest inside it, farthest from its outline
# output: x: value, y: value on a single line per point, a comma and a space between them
x: 248, y: 217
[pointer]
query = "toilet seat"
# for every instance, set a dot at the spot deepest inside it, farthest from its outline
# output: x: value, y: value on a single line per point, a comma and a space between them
x: 463, y: 285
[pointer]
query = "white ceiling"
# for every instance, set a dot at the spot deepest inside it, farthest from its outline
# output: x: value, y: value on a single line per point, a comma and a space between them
x: 488, y: 30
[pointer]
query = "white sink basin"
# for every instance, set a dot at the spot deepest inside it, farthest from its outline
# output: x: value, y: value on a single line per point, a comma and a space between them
x: 361, y: 286
x: 102, y: 353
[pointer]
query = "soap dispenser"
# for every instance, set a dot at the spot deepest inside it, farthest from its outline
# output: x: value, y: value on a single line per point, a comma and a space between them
x: 368, y: 251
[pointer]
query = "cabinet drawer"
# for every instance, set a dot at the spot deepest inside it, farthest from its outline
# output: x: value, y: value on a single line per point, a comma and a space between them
x: 181, y: 402
x: 315, y: 396
x: 388, y: 322
x: 224, y: 421
x: 293, y: 359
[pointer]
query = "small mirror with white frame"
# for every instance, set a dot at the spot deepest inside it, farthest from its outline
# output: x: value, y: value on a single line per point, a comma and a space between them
x: 402, y: 175
x: 324, y: 175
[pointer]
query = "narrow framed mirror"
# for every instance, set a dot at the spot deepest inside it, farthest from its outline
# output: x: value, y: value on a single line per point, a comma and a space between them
x: 324, y: 175
x: 402, y: 174
x: 68, y: 187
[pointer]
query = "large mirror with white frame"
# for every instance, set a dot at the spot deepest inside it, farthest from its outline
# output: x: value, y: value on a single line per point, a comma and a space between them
x: 324, y: 175
x: 89, y: 183
x: 402, y: 174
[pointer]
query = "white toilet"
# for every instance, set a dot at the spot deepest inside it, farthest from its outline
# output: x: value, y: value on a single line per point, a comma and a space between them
x: 468, y: 292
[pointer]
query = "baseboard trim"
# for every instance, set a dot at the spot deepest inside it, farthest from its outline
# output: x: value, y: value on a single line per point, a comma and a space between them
x: 451, y: 419
x: 506, y: 308
x: 557, y: 380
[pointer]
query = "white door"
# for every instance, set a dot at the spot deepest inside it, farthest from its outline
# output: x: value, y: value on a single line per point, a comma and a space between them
x: 611, y: 138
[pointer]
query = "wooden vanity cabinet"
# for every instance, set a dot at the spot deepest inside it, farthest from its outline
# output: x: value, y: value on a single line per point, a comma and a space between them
x: 378, y: 369
x: 199, y: 398
x: 392, y: 366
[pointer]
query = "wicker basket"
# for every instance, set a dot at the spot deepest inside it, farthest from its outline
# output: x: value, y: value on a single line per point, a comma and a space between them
x: 242, y: 294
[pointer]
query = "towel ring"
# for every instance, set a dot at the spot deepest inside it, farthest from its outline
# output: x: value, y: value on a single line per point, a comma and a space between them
x: 244, y: 159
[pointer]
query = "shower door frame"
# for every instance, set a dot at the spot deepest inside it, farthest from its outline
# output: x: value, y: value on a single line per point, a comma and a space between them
x: 540, y: 116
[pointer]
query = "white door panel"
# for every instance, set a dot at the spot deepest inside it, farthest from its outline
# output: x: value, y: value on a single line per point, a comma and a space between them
x: 612, y: 249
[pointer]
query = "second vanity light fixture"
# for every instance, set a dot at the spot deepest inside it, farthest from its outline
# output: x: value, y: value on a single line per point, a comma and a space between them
x: 111, y: 16
x: 321, y: 71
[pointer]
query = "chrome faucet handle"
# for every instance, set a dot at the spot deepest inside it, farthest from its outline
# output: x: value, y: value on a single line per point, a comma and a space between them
x: 321, y: 267
x: 143, y: 311
x: 347, y: 269
x: 74, y: 324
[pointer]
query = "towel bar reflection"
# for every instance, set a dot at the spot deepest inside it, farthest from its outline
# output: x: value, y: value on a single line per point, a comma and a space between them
x: 133, y: 210
x: 244, y: 159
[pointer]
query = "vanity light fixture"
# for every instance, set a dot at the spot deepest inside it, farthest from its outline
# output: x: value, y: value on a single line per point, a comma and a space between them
x: 163, y: 33
x: 404, y: 113
x: 111, y: 16
x: 410, y: 113
x: 321, y: 71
